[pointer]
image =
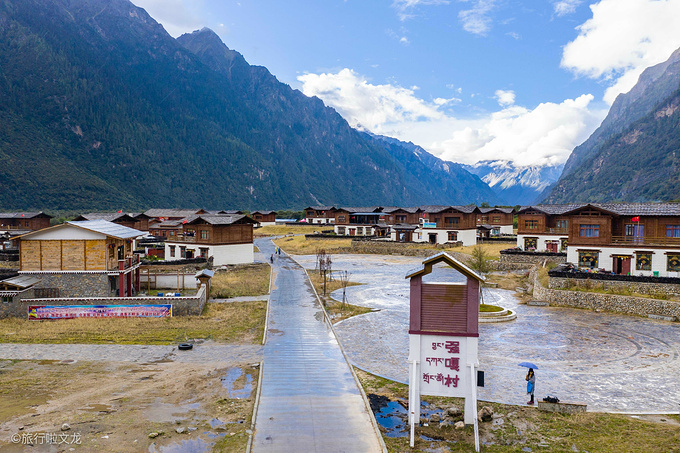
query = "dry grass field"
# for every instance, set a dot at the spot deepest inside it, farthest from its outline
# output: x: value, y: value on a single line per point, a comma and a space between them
x: 241, y: 322
x: 281, y: 230
x: 242, y: 280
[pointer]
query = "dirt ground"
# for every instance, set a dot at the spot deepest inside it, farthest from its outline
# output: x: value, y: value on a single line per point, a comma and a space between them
x: 117, y: 406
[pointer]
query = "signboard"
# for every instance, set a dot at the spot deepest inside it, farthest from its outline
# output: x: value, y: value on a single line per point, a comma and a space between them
x: 442, y: 366
x: 40, y: 312
x: 429, y: 225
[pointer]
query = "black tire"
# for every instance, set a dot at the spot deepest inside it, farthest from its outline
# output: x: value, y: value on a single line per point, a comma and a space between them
x: 185, y: 346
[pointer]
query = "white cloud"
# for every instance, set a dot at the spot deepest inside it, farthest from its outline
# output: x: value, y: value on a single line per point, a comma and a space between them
x: 545, y: 135
x: 176, y: 16
x: 405, y: 7
x: 564, y: 7
x: 504, y: 97
x: 374, y: 107
x: 477, y: 20
x: 622, y: 39
x: 404, y: 40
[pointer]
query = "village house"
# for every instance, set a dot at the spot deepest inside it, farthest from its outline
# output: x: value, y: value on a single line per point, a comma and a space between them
x: 14, y: 224
x: 138, y: 221
x: 495, y: 221
x: 544, y: 228
x: 228, y: 239
x: 324, y: 215
x: 360, y: 222
x: 446, y: 224
x: 264, y: 218
x: 92, y: 258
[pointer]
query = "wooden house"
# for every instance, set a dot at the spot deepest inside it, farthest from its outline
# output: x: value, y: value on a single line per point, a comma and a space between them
x: 92, y: 258
x: 442, y: 224
x: 264, y: 218
x: 359, y: 221
x: 544, y: 228
x: 228, y: 239
x: 498, y: 221
x: 138, y: 221
x: 24, y: 221
x: 320, y: 214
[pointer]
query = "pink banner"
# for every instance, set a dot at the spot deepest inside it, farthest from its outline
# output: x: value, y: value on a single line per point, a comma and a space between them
x: 39, y: 312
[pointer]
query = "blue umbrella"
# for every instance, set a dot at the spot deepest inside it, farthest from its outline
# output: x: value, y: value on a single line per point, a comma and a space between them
x: 528, y: 365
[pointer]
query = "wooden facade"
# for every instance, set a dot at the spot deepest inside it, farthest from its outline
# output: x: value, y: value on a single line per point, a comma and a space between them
x: 218, y: 230
x: 30, y: 221
x: 264, y: 216
x: 320, y: 214
x: 495, y: 216
x: 452, y: 218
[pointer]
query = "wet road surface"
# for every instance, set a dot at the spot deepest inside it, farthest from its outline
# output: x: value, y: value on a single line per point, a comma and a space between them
x: 309, y: 400
x: 611, y: 362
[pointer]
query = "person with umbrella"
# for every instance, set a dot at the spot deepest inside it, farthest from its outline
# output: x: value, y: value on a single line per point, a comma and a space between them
x: 531, y: 380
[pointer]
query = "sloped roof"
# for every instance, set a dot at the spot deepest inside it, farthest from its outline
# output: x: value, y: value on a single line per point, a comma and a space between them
x: 391, y: 209
x: 172, y: 212
x: 264, y: 212
x: 366, y: 209
x: 320, y: 208
x: 426, y: 267
x: 21, y: 281
x: 222, y: 219
x: 22, y: 215
x: 641, y: 209
x: 108, y: 216
x: 503, y: 210
x: 552, y: 209
x: 98, y: 226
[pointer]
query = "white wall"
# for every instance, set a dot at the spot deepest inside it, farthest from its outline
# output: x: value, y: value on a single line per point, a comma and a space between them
x: 507, y: 229
x: 360, y: 230
x: 66, y: 232
x: 540, y: 243
x: 606, y: 261
x: 222, y: 254
x: 467, y: 237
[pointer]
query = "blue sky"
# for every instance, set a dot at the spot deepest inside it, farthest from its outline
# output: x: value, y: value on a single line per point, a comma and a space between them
x: 469, y: 80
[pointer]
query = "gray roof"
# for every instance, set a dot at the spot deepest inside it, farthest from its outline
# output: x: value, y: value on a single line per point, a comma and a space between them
x: 108, y: 216
x: 438, y: 208
x: 552, y: 209
x: 264, y: 212
x: 222, y: 219
x: 391, y: 209
x: 503, y: 210
x: 108, y: 228
x: 172, y: 212
x: 21, y: 281
x: 364, y: 210
x: 320, y: 208
x: 19, y: 215
x: 623, y: 209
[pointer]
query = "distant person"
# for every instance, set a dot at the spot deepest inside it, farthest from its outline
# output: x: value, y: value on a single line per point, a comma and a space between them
x: 531, y: 384
x: 271, y: 259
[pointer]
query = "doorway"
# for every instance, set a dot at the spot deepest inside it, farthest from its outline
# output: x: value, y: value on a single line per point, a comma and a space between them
x: 432, y: 238
x: 621, y: 265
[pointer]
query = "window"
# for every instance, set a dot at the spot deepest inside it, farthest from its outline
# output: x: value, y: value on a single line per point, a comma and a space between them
x: 205, y: 234
x: 401, y: 219
x: 496, y: 219
x: 562, y: 224
x: 643, y: 262
x: 638, y: 231
x: 341, y: 231
x: 6, y: 299
x: 673, y: 231
x: 121, y: 252
x: 531, y: 224
x: 183, y: 252
x: 203, y: 252
x: 530, y: 243
x: 172, y: 233
x: 172, y: 251
x: 341, y: 219
x: 453, y: 236
x: 563, y: 244
x: 673, y: 264
x: 590, y: 231
x: 451, y: 220
x: 587, y: 258
x: 485, y: 219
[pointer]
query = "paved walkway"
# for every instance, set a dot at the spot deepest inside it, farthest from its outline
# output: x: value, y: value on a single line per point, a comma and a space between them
x: 309, y: 399
x: 611, y: 362
x: 201, y: 353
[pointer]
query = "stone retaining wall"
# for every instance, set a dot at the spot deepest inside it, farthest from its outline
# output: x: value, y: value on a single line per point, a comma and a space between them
x: 530, y: 258
x: 76, y: 284
x: 640, y: 306
x: 652, y: 289
x: 397, y: 248
x: 181, y: 306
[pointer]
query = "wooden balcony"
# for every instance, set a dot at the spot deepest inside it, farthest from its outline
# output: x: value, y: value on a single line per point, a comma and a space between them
x: 660, y: 241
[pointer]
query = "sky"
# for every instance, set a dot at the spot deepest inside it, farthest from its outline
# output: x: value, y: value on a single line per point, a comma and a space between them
x: 524, y: 81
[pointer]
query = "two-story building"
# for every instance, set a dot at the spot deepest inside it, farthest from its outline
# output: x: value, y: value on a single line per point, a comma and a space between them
x: 92, y: 258
x: 324, y: 215
x: 626, y: 238
x: 264, y: 218
x: 446, y: 224
x: 359, y: 221
x: 544, y: 228
x: 497, y: 221
x: 228, y: 239
x: 138, y: 221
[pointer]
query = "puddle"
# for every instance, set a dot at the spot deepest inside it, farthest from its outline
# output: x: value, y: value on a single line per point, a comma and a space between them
x: 185, y: 446
x: 214, y: 423
x: 191, y: 406
x: 98, y: 408
x: 213, y: 435
x: 390, y: 415
x: 160, y: 412
x: 229, y: 381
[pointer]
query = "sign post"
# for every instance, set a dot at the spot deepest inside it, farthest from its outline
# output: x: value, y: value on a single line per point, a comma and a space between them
x: 443, y: 334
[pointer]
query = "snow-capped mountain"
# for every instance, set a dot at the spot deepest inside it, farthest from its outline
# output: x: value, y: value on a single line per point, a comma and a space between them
x: 515, y: 185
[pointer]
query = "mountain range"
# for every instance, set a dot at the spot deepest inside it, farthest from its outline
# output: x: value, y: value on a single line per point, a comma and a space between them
x: 634, y: 154
x: 101, y: 108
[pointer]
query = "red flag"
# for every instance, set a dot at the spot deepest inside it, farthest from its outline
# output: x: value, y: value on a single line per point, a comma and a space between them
x: 184, y: 221
x: 119, y: 212
x: 635, y: 219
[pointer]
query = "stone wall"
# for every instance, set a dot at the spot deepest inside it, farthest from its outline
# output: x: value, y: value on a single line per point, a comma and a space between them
x: 10, y: 308
x: 531, y: 258
x: 181, y: 306
x: 640, y: 306
x: 649, y: 288
x: 76, y: 284
x: 405, y: 249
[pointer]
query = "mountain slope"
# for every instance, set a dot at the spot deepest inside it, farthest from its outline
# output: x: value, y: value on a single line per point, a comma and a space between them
x: 655, y: 84
x: 631, y: 156
x: 515, y: 185
x: 101, y: 108
x: 449, y: 183
x: 640, y: 164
